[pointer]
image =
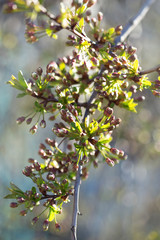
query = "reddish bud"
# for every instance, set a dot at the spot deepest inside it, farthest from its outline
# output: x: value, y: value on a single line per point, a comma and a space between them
x: 20, y: 120
x: 110, y: 162
x: 50, y: 176
x: 91, y: 3
x: 39, y: 71
x: 33, y: 130
x: 100, y: 16
x: 43, y: 124
x: 58, y: 227
x: 34, y: 75
x: 45, y: 225
x: 29, y: 120
x: 118, y: 29
x: 34, y: 220
x: 108, y: 111
x: 13, y: 204
x: 23, y: 213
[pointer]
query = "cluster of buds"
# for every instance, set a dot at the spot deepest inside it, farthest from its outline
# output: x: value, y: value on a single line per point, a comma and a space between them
x: 66, y: 116
x: 60, y: 130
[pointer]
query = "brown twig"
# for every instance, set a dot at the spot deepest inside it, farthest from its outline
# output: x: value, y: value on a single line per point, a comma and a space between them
x: 154, y: 69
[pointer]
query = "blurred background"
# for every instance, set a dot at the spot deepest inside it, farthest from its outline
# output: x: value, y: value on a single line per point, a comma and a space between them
x: 120, y: 203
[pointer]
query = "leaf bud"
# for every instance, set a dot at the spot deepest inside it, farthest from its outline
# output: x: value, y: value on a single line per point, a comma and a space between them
x: 13, y: 204
x: 45, y: 225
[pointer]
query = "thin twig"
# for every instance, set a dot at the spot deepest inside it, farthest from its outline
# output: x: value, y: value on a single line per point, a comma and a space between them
x: 154, y: 69
x: 133, y: 22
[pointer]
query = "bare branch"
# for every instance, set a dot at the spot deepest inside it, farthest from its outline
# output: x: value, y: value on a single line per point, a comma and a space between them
x: 133, y: 22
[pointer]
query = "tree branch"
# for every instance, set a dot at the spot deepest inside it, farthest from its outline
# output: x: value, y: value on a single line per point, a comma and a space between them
x: 154, y: 69
x: 133, y: 22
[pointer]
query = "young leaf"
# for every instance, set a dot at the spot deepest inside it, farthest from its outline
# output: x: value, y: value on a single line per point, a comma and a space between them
x: 22, y: 80
x: 51, y: 216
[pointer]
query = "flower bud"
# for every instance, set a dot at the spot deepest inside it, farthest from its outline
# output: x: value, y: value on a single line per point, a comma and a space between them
x: 45, y: 225
x: 13, y: 204
x: 34, y: 220
x: 20, y: 120
x: 110, y: 162
x: 23, y: 213
x: 100, y: 16
x: 114, y: 151
x: 34, y: 76
x: 20, y: 200
x: 50, y: 176
x: 43, y: 124
x: 58, y: 227
x: 39, y: 71
x: 29, y: 120
x: 33, y: 130
x: 131, y: 50
x: 91, y: 3
x: 108, y: 111
x: 118, y: 29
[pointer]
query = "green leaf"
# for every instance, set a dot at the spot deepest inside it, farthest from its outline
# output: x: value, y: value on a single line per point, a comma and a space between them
x: 10, y: 196
x: 78, y: 127
x: 51, y: 34
x: 22, y: 80
x: 62, y: 66
x: 93, y: 127
x: 51, y: 216
x: 136, y: 65
x: 81, y: 23
x: 129, y: 105
x: 81, y: 10
x: 15, y: 188
x: 20, y: 95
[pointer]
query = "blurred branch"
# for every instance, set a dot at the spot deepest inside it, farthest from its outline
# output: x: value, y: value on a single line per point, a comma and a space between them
x: 154, y: 69
x: 134, y: 21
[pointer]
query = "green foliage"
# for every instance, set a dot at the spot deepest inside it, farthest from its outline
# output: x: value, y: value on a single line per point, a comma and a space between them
x: 99, y: 71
